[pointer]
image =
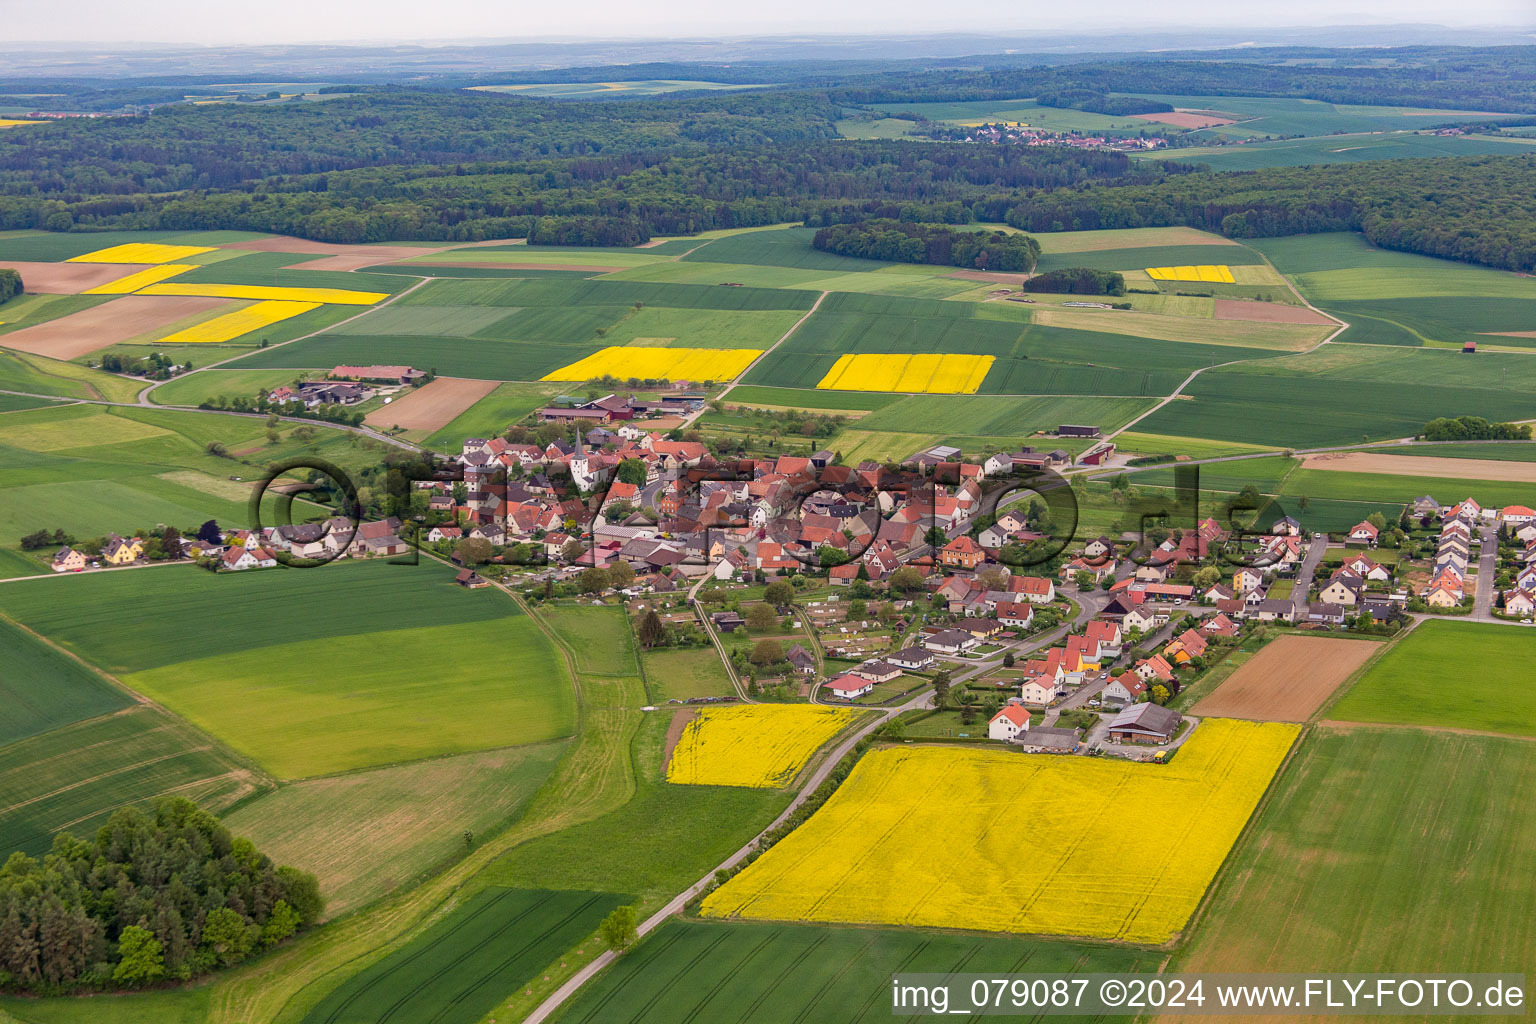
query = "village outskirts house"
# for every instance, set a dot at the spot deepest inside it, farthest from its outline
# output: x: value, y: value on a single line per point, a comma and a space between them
x: 68, y: 560
x: 1144, y: 723
x: 1011, y: 720
x: 849, y: 686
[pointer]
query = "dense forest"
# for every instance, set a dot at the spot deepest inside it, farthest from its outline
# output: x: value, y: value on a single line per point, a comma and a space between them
x: 1077, y: 281
x: 938, y: 244
x: 1101, y: 103
x: 401, y: 164
x: 153, y: 897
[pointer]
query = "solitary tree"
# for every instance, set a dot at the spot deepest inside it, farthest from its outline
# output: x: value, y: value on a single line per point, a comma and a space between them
x: 905, y: 580
x: 779, y: 593
x: 761, y: 616
x: 620, y: 930
x: 474, y: 551
x: 652, y: 630
x: 620, y: 574
x: 767, y: 652
x: 941, y: 688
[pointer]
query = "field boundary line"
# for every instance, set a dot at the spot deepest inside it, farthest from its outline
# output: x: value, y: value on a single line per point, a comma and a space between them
x: 761, y: 356
x: 1342, y: 327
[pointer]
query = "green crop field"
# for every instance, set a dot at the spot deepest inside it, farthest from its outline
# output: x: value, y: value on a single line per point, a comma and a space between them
x: 1382, y: 848
x: 365, y: 834
x: 404, y: 694
x: 810, y: 398
x: 55, y: 246
x: 16, y: 403
x: 562, y: 293
x: 1381, y: 487
x: 1025, y: 110
x: 192, y: 389
x: 456, y: 971
x: 270, y: 268
x: 1425, y: 680
x: 775, y: 974
x: 783, y: 247
x: 245, y: 611
x: 987, y: 415
x: 681, y: 673
x: 424, y: 321
x: 73, y: 777
x: 1031, y: 359
x: 30, y: 310
x: 42, y: 689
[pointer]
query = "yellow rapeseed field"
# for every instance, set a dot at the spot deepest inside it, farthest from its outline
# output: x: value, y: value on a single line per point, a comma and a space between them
x: 963, y: 837
x: 241, y: 321
x: 141, y: 279
x: 1213, y: 274
x: 624, y: 361
x: 141, y: 252
x: 11, y: 122
x: 758, y: 745
x: 263, y: 292
x: 947, y: 374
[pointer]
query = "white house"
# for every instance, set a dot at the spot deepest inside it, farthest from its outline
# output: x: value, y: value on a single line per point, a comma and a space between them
x: 847, y: 687
x: 1041, y: 689
x: 1126, y: 688
x: 1008, y: 723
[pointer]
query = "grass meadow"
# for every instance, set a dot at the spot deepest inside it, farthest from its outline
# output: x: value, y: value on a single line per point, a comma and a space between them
x: 1425, y: 680
x: 366, y: 834
x: 684, y: 672
x: 1383, y: 849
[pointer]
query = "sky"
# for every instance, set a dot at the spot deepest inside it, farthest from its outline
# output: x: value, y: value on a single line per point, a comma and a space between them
x: 296, y: 21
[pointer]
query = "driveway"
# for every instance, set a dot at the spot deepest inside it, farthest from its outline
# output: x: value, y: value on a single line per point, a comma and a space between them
x: 1487, y: 569
x: 1306, y: 572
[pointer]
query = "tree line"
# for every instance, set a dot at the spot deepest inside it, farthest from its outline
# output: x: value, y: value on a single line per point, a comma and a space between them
x: 900, y: 242
x: 10, y: 284
x: 1077, y: 281
x: 161, y: 896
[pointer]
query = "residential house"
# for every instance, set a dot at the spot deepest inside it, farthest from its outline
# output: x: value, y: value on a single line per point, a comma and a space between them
x: 121, y: 550
x: 876, y: 671
x: 1246, y: 579
x: 1102, y: 640
x: 911, y: 658
x: 1010, y: 721
x: 1187, y: 646
x: 1126, y: 688
x: 1049, y: 741
x: 1142, y: 618
x: 1273, y: 611
x: 1519, y: 603
x: 1042, y: 689
x: 1155, y: 667
x: 1034, y: 589
x: 1219, y: 625
x: 1366, y: 569
x: 1016, y: 614
x: 1516, y: 515
x: 849, y: 687
x: 1285, y: 526
x: 439, y: 533
x: 950, y: 641
x: 1342, y: 590
x: 1364, y: 532
x: 1326, y: 614
x: 1426, y: 508
x: 68, y: 560
x: 1144, y: 723
x: 962, y: 553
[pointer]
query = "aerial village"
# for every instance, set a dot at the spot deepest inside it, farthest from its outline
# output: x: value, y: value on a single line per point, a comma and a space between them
x: 869, y: 584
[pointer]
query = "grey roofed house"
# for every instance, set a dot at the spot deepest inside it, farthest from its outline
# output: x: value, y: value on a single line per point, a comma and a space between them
x: 1322, y: 611
x: 1151, y: 721
x: 1273, y: 609
x: 1380, y: 608
x: 1049, y: 741
x: 910, y: 657
x: 953, y: 639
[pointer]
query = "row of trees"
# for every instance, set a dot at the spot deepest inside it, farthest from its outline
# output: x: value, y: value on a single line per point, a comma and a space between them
x: 901, y: 242
x: 10, y: 284
x: 164, y: 896
x: 1474, y: 428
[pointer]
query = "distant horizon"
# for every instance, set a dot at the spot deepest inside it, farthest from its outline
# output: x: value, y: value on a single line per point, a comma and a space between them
x: 182, y: 24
